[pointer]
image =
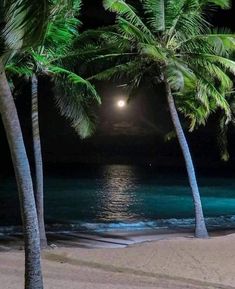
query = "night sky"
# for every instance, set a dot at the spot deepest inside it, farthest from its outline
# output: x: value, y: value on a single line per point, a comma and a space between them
x: 93, y: 15
x: 132, y: 135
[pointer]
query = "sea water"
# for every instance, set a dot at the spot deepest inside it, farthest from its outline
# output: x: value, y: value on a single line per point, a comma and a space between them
x: 122, y: 197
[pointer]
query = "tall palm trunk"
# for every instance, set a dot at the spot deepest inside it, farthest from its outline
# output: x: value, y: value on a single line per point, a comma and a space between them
x: 200, y: 230
x: 33, y: 273
x: 38, y: 189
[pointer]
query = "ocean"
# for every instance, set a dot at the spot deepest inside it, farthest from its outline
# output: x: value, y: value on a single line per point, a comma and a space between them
x: 123, y: 198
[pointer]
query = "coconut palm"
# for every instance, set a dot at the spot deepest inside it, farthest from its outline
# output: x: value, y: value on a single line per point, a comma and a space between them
x: 22, y: 24
x: 168, y: 42
x: 73, y: 94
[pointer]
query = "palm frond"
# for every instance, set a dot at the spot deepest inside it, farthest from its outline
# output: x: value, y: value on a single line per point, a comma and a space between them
x: 155, y: 11
x: 18, y: 70
x: 217, y: 41
x: 213, y: 58
x: 60, y: 34
x: 175, y: 77
x: 207, y: 89
x: 117, y: 72
x: 24, y: 22
x: 132, y: 32
x: 153, y: 52
x: 193, y: 109
x: 224, y: 4
x: 225, y: 62
x: 75, y: 98
x: 129, y: 13
x: 63, y: 26
x: 74, y: 79
x: 184, y: 17
x: 76, y: 109
x: 222, y: 138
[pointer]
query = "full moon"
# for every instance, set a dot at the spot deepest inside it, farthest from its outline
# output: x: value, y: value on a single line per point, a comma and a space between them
x: 121, y: 103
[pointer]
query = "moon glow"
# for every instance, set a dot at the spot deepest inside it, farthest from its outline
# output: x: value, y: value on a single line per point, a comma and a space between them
x: 121, y: 103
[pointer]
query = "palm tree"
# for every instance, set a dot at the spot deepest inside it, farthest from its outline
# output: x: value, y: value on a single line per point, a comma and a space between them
x: 22, y: 24
x: 74, y: 95
x: 170, y: 43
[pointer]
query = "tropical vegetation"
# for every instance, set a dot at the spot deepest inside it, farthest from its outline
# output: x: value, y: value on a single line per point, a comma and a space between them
x: 169, y: 43
x: 73, y: 95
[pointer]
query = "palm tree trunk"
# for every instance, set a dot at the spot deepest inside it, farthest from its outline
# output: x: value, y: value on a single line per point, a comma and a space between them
x: 200, y: 230
x: 33, y: 273
x: 38, y: 189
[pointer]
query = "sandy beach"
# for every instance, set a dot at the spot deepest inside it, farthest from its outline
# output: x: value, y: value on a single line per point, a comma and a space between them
x: 169, y: 262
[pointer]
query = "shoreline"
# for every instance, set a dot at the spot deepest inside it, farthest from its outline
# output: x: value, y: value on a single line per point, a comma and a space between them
x: 114, y: 239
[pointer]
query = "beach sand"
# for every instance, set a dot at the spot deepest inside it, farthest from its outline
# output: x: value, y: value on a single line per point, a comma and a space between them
x: 169, y: 262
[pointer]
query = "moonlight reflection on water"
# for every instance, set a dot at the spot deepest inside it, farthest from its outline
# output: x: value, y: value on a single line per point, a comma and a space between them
x: 118, y: 193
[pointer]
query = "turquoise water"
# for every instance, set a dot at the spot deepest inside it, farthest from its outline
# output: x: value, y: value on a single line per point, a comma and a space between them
x: 124, y: 197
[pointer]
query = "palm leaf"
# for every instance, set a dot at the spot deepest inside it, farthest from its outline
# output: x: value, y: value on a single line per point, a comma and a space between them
x: 155, y: 11
x: 224, y: 4
x: 132, y: 32
x: 18, y: 70
x: 117, y: 71
x: 75, y: 98
x: 24, y: 22
x: 76, y: 109
x: 74, y: 79
x: 128, y: 12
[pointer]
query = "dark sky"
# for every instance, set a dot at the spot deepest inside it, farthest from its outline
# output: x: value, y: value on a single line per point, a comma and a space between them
x: 138, y: 132
x: 147, y: 117
x: 133, y: 135
x: 141, y: 116
x: 93, y: 15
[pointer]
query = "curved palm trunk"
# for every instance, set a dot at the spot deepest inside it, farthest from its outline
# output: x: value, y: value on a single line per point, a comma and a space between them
x: 33, y: 273
x: 200, y: 230
x: 38, y: 189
